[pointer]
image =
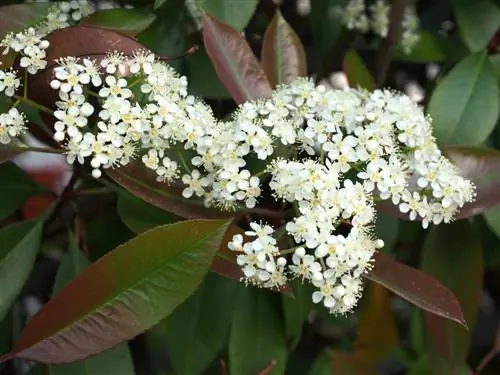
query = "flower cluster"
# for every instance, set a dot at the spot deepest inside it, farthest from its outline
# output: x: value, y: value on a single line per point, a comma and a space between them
x: 355, y: 15
x: 329, y: 154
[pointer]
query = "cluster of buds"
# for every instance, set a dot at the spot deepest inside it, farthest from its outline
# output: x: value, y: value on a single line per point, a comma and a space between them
x: 355, y: 15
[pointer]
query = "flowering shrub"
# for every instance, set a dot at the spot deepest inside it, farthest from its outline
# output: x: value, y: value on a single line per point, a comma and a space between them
x: 300, y: 169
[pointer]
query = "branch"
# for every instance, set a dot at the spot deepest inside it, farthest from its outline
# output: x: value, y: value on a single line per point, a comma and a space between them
x: 384, y: 55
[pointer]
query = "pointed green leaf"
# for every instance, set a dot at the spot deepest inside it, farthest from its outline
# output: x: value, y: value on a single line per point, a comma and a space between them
x: 283, y: 55
x: 129, y: 22
x: 197, y: 330
x: 234, y: 61
x: 234, y: 13
x: 464, y: 106
x: 452, y: 253
x: 477, y: 20
x: 124, y: 293
x: 416, y: 287
x: 356, y: 71
x: 16, y: 187
x: 19, y: 244
x: 116, y: 361
x: 257, y: 334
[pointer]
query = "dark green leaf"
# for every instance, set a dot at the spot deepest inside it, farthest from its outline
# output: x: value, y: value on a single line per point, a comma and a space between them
x: 477, y: 20
x: 197, y: 330
x: 16, y: 188
x: 356, y: 71
x: 234, y: 61
x: 124, y: 21
x: 471, y: 90
x: 452, y: 253
x: 492, y: 217
x: 417, y: 287
x: 296, y: 309
x: 257, y: 334
x: 19, y: 244
x: 322, y: 365
x: 19, y: 16
x: 123, y: 294
x: 234, y: 13
x: 283, y: 56
x: 386, y: 228
x: 113, y: 362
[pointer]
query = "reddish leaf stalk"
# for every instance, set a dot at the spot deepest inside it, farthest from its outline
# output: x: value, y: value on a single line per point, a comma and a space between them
x: 266, y: 370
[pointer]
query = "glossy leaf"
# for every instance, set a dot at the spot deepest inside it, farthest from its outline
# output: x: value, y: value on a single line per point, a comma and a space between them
x: 140, y: 182
x: 296, y: 309
x: 123, y: 294
x: 234, y: 61
x: 19, y: 16
x: 471, y: 89
x: 16, y: 187
x: 417, y: 287
x: 19, y: 244
x: 140, y: 216
x: 129, y: 22
x: 356, y: 71
x: 116, y: 361
x: 480, y: 165
x: 257, y: 334
x: 197, y: 330
x: 377, y: 331
x: 477, y: 20
x: 451, y: 253
x: 283, y: 55
x: 234, y: 13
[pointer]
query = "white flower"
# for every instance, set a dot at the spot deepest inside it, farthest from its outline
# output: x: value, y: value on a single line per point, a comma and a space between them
x: 9, y: 82
x: 196, y: 185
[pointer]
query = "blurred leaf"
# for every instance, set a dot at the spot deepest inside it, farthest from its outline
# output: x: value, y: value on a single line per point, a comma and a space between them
x: 322, y: 365
x: 204, y: 81
x: 142, y: 183
x: 19, y: 16
x: 491, y: 354
x: 451, y: 253
x: 416, y: 287
x: 115, y: 361
x: 129, y: 22
x: 122, y: 294
x: 6, y: 334
x: 387, y: 229
x: 165, y: 36
x: 19, y: 244
x: 198, y: 329
x: 16, y: 188
x: 492, y: 217
x: 234, y: 13
x: 296, y: 309
x: 471, y: 89
x: 283, y: 56
x: 257, y: 334
x: 234, y: 61
x: 377, y: 332
x: 477, y: 20
x: 140, y: 216
x: 356, y: 71
x: 350, y: 363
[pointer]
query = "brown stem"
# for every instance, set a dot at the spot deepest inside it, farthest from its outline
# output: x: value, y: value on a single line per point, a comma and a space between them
x: 266, y: 370
x: 384, y: 56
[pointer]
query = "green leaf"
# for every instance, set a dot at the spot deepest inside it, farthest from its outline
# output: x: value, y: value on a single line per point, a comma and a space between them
x: 234, y: 13
x: 234, y: 61
x: 386, y: 228
x: 453, y: 254
x: 296, y: 309
x: 123, y: 294
x: 478, y: 21
x: 257, y: 334
x: 19, y: 244
x: 114, y: 362
x: 140, y: 216
x: 165, y: 36
x: 19, y: 16
x: 16, y: 188
x: 492, y: 217
x: 197, y: 330
x: 283, y: 55
x: 356, y: 71
x: 322, y: 365
x: 464, y: 106
x: 129, y: 22
x: 416, y: 287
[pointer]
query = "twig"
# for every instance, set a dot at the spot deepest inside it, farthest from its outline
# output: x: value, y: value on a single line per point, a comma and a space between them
x: 266, y: 370
x: 384, y: 56
x: 223, y: 367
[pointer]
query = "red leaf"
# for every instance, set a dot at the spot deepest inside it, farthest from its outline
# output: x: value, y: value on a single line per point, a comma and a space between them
x: 234, y: 61
x: 283, y: 55
x: 417, y: 287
